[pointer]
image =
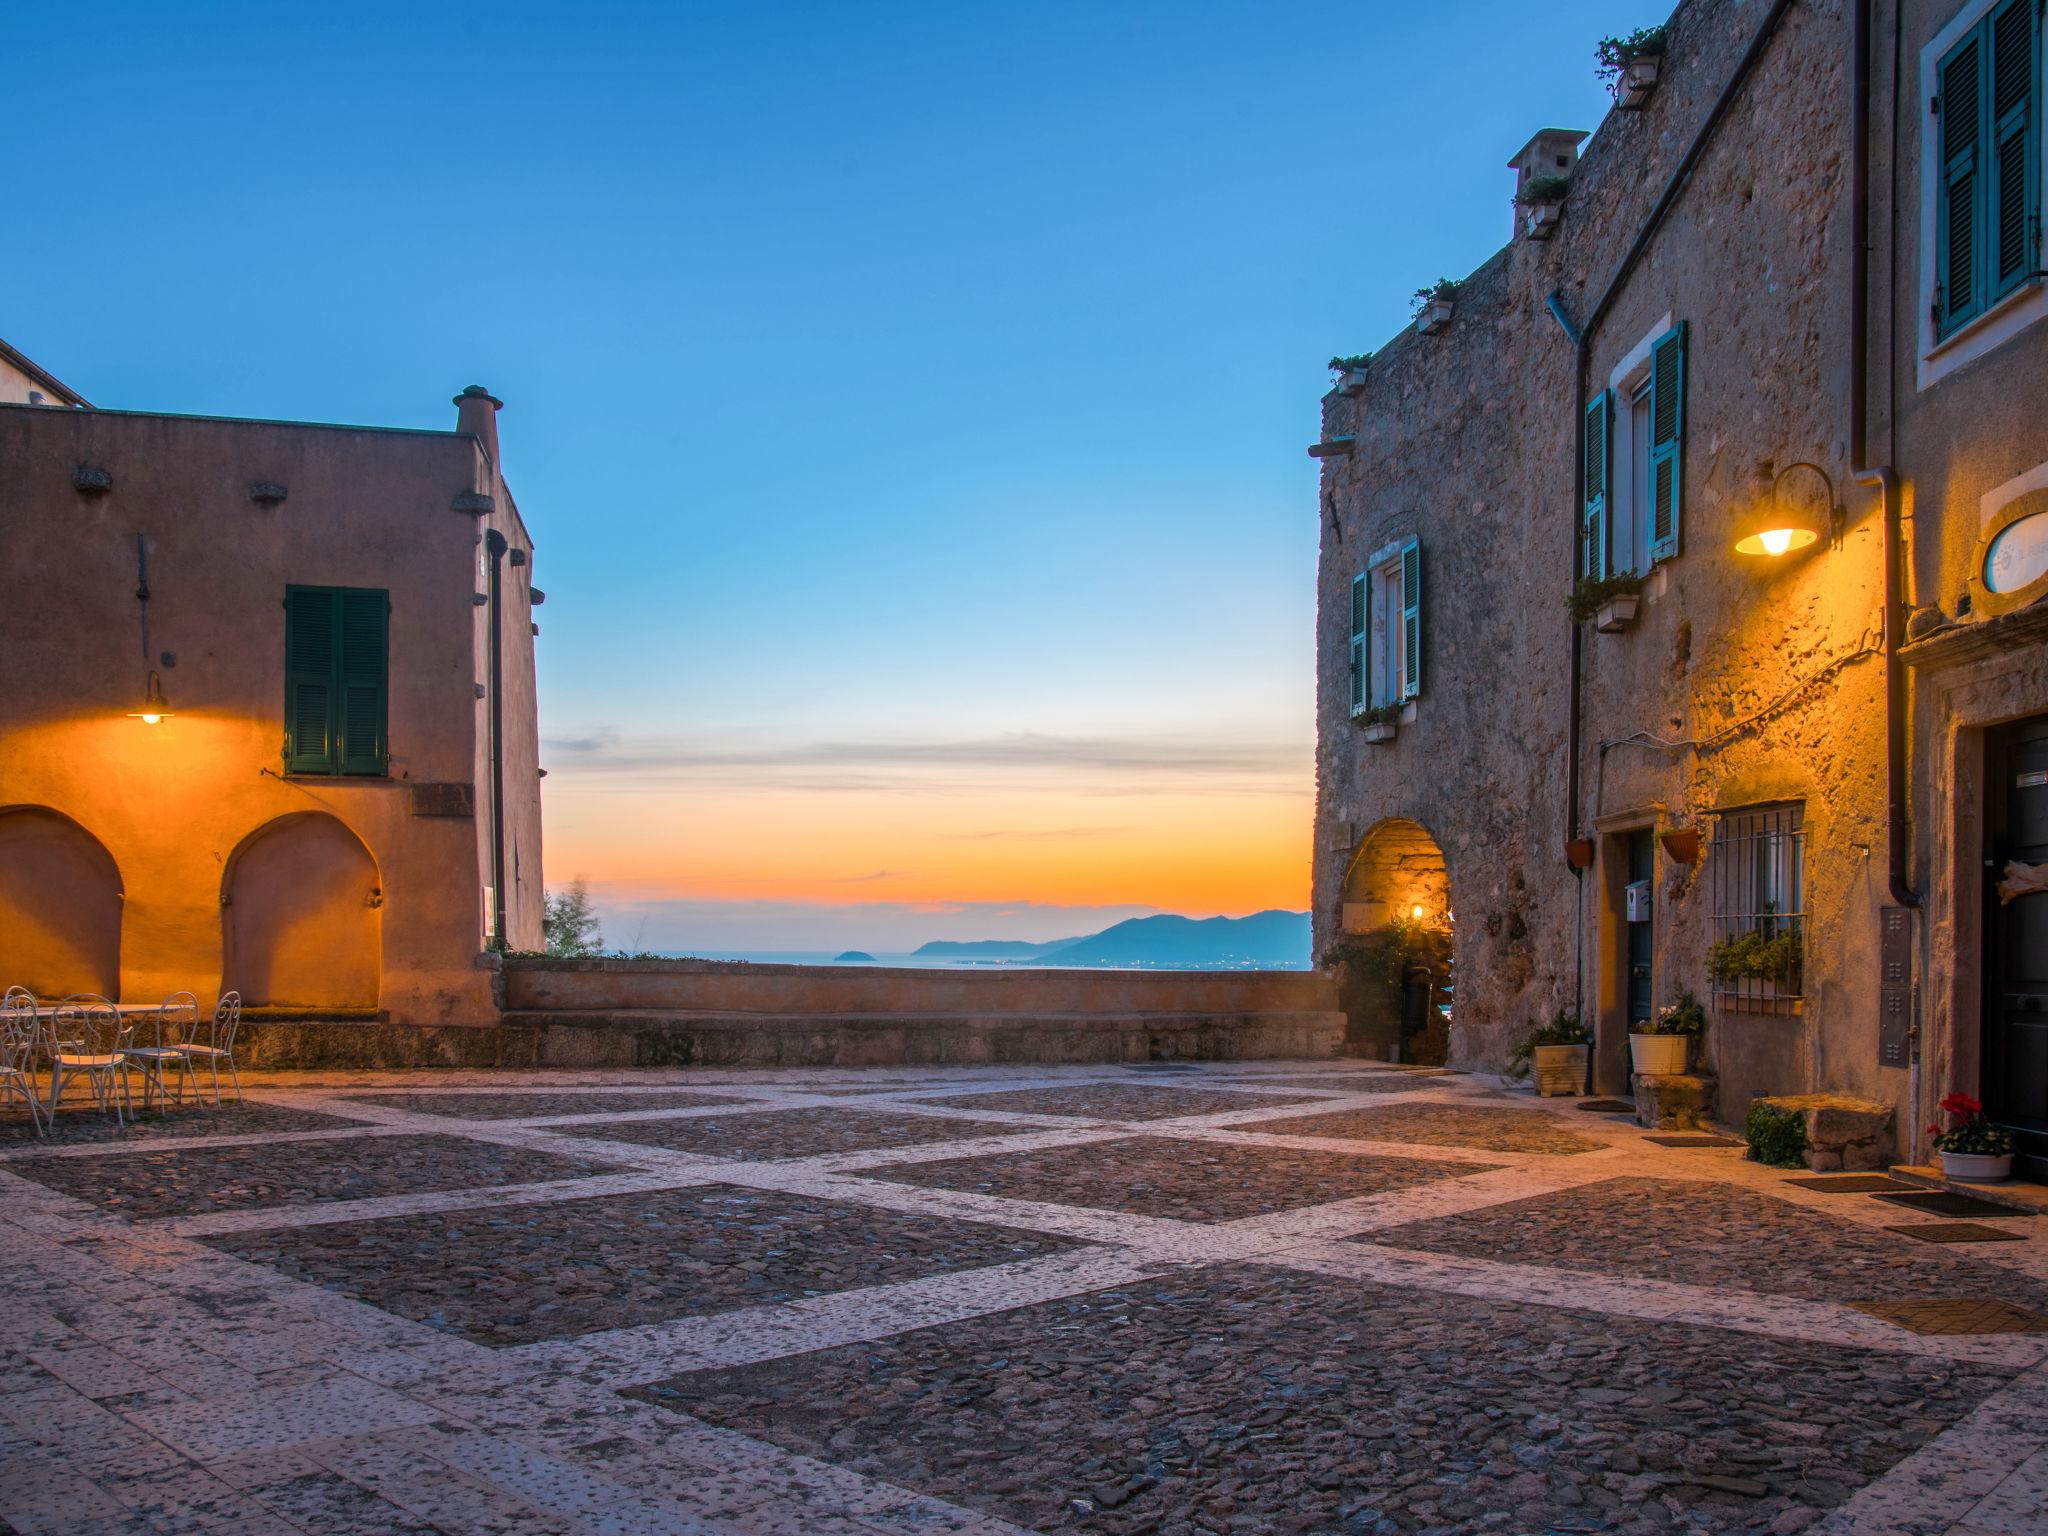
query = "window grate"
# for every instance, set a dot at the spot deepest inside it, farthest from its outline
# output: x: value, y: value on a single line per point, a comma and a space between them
x: 1758, y: 962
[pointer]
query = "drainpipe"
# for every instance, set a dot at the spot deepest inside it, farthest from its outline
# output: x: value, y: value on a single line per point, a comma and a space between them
x: 494, y: 543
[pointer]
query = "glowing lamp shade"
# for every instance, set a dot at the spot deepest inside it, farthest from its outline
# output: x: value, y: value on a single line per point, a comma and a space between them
x: 154, y: 707
x: 1416, y: 913
x: 1775, y: 541
x: 1780, y: 525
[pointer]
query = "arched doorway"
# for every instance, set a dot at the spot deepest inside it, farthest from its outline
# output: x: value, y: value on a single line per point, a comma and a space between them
x: 60, y: 906
x: 1396, y: 945
x: 301, y: 916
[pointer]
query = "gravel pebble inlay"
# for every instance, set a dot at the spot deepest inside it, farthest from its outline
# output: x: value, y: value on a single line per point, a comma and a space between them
x: 535, y: 1106
x: 1438, y: 1125
x: 1120, y: 1101
x: 188, y: 1181
x: 1199, y: 1181
x: 796, y: 1132
x: 76, y: 1126
x: 522, y: 1274
x: 1712, y: 1235
x: 1253, y: 1399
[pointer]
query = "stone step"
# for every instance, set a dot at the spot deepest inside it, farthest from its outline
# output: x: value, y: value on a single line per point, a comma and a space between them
x: 2022, y: 1197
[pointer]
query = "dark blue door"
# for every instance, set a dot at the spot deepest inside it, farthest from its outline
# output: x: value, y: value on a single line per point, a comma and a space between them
x: 2015, y: 1083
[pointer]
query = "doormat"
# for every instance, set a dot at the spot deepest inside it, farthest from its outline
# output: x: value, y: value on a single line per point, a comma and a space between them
x: 1607, y: 1106
x: 1958, y: 1232
x: 1956, y: 1314
x: 1855, y: 1184
x: 1692, y: 1141
x: 1946, y: 1202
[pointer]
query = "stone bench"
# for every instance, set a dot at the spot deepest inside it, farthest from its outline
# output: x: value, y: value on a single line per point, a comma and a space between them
x: 1675, y: 1103
x: 1841, y: 1133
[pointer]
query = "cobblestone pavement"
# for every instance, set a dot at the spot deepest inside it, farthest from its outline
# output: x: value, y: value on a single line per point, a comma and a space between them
x: 1248, y: 1298
x: 77, y: 1123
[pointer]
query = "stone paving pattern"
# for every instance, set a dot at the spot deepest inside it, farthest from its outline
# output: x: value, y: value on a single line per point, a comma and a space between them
x: 1707, y: 1234
x: 778, y: 1134
x: 1181, y: 1180
x: 1550, y: 1325
x: 188, y: 1180
x: 1437, y: 1126
x: 528, y: 1272
x: 1262, y: 1400
x: 79, y: 1126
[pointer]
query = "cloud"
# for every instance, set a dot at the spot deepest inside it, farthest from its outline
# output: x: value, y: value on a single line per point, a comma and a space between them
x: 1243, y: 763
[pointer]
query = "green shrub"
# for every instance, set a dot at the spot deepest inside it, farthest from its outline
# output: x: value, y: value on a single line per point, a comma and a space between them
x: 1775, y: 957
x: 1777, y: 1137
x: 1546, y: 189
x: 1356, y: 362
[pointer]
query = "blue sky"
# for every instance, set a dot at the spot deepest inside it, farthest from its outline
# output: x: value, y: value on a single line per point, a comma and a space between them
x: 908, y: 401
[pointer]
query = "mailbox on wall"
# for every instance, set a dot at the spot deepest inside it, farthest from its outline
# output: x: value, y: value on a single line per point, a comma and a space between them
x: 1638, y: 906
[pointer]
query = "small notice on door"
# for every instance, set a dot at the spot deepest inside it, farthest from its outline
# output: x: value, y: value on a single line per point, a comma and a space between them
x: 2032, y: 780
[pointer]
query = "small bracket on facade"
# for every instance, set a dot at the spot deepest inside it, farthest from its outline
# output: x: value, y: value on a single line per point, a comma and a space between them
x: 93, y: 479
x: 266, y: 493
x: 475, y: 503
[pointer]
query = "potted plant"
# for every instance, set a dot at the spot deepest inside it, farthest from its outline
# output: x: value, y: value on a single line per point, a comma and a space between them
x: 1381, y: 722
x: 1542, y: 205
x: 1972, y: 1149
x: 1660, y: 1049
x: 1612, y: 602
x: 1558, y: 1051
x: 1631, y: 64
x: 1350, y: 372
x: 1760, y: 954
x: 1433, y: 304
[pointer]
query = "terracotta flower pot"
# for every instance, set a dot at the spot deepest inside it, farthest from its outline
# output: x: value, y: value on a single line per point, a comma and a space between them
x: 1560, y: 1070
x: 1976, y: 1167
x: 1658, y: 1055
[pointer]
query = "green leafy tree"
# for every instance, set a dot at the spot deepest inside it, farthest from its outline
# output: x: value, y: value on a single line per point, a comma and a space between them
x: 568, y: 923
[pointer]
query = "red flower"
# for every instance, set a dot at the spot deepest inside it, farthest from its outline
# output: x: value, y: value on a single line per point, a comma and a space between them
x: 1961, y: 1104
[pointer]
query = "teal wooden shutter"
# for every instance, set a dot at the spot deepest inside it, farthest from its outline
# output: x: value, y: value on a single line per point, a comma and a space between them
x: 2012, y: 130
x: 362, y: 682
x: 1411, y: 619
x: 1594, y: 445
x: 1667, y: 442
x: 1958, y: 297
x: 1358, y: 649
x: 309, y: 695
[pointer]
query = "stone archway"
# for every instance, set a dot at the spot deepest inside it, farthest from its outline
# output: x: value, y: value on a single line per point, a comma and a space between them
x: 60, y: 906
x: 302, y: 918
x: 1397, y: 929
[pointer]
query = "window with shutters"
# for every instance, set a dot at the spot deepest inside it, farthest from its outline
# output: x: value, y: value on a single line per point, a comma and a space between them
x: 336, y: 679
x: 1634, y: 442
x: 1386, y: 628
x: 1982, y: 176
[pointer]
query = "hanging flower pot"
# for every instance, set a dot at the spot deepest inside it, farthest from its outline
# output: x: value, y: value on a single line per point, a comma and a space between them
x: 1617, y: 613
x: 1638, y: 79
x: 1578, y: 852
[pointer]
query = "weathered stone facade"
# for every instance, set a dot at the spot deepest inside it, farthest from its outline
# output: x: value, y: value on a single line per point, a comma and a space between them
x: 1747, y: 700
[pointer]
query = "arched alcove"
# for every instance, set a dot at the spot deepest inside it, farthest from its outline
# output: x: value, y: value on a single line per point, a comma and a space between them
x: 60, y: 906
x: 1396, y: 921
x: 301, y: 916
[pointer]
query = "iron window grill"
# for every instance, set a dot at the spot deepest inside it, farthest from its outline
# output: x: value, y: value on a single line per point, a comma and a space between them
x: 1758, y: 961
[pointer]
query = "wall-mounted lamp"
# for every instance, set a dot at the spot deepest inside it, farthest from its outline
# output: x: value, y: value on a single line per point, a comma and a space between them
x: 154, y: 706
x: 1776, y: 527
x: 1416, y: 913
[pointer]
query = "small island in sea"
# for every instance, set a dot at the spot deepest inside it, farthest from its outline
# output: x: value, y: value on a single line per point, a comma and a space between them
x: 851, y: 954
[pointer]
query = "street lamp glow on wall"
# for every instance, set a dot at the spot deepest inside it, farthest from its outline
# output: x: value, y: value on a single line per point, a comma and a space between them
x: 154, y: 706
x: 1777, y: 528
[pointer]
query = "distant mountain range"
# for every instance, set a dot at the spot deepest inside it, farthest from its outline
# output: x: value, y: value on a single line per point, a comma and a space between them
x: 1264, y: 941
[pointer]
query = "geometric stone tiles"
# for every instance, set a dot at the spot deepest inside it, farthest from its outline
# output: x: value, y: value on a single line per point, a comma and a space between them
x: 78, y: 1124
x: 1440, y: 1125
x: 1120, y: 1101
x: 186, y: 1181
x: 1197, y: 1181
x: 575, y: 1266
x: 1713, y: 1235
x: 535, y: 1106
x: 1253, y: 1399
x: 777, y: 1134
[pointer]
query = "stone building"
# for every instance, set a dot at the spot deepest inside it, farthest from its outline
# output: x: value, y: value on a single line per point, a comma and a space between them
x: 267, y: 708
x: 1760, y: 358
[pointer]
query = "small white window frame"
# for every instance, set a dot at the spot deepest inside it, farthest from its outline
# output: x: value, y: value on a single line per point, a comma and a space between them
x: 1624, y: 517
x: 1940, y: 356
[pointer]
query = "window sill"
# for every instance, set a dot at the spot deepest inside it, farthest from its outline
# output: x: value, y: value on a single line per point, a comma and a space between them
x: 1987, y: 332
x: 1783, y: 1006
x: 342, y: 778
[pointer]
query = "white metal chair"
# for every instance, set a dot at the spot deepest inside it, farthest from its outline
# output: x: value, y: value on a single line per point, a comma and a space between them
x: 177, y: 1020
x: 91, y: 1041
x: 20, y: 1028
x: 219, y: 1045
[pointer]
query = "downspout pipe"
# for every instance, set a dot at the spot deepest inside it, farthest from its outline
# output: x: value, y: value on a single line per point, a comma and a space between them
x: 1897, y: 826
x: 494, y: 543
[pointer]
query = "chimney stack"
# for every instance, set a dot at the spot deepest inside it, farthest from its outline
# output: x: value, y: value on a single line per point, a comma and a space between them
x: 476, y: 412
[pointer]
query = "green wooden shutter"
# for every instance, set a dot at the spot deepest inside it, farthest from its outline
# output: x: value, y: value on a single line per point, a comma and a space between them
x: 309, y: 695
x: 1411, y: 619
x: 1958, y: 295
x: 1359, y: 618
x: 1594, y: 443
x: 1667, y: 442
x: 362, y: 680
x: 2011, y: 235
